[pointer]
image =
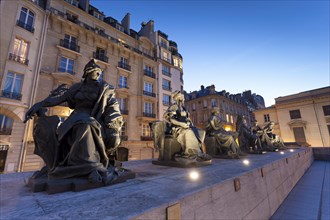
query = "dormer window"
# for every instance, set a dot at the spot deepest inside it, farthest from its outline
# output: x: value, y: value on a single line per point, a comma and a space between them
x: 119, y: 27
x: 73, y: 2
x: 98, y: 15
x: 163, y: 43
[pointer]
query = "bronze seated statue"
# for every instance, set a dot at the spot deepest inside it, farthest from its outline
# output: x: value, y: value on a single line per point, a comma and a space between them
x: 218, y: 141
x: 178, y: 141
x: 84, y: 145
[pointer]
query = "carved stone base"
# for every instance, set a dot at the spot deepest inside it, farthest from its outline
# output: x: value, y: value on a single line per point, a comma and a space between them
x: 181, y: 164
x: 171, y: 147
x: 71, y: 184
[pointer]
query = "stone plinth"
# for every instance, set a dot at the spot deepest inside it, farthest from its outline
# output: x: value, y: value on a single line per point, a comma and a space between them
x: 159, y: 192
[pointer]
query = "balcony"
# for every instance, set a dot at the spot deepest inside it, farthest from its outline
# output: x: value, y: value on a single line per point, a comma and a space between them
x: 121, y: 86
x: 62, y: 70
x: 124, y: 111
x: 100, y: 57
x: 166, y: 103
x: 167, y: 59
x: 25, y: 26
x: 166, y: 73
x: 168, y: 88
x: 146, y: 138
x: 149, y: 93
x: 5, y: 131
x: 70, y: 45
x: 18, y: 59
x: 11, y: 95
x: 124, y: 66
x: 124, y: 137
x: 149, y: 115
x: 150, y: 74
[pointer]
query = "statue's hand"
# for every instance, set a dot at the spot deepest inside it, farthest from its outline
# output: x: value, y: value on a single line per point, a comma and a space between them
x: 32, y: 111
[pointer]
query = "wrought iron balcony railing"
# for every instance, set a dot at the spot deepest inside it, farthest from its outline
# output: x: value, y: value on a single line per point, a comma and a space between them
x: 100, y: 57
x: 19, y: 59
x: 168, y: 88
x: 146, y: 138
x: 5, y: 131
x: 149, y: 93
x: 11, y: 95
x: 149, y: 115
x: 63, y: 70
x: 150, y: 74
x: 25, y: 26
x: 124, y: 66
x: 69, y: 45
x: 124, y: 111
x: 166, y: 73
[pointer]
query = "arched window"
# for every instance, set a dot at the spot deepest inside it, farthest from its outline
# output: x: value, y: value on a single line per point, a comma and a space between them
x: 6, y: 125
x: 26, y: 19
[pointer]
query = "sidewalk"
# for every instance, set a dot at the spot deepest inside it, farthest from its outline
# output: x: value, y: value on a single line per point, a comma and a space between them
x: 310, y: 198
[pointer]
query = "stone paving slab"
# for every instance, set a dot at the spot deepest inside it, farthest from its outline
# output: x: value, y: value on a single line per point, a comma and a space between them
x: 310, y: 198
x: 154, y: 186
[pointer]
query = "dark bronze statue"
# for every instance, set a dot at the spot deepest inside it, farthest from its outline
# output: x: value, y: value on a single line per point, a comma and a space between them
x: 274, y: 139
x: 218, y: 141
x: 84, y: 142
x: 176, y: 137
x: 248, y: 141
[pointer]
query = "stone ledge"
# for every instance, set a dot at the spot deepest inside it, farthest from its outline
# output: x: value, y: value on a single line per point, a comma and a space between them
x: 264, y: 184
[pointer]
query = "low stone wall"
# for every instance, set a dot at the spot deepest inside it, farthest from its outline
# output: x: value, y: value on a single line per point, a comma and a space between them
x: 227, y: 189
x: 261, y: 193
x: 321, y: 153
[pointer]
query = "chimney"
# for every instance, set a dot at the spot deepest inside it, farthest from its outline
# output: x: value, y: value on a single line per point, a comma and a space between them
x: 126, y: 23
x: 147, y: 29
x: 202, y: 87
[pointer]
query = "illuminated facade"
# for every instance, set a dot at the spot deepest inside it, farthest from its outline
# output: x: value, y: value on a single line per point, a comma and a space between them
x: 47, y: 43
x: 302, y: 118
x: 200, y: 104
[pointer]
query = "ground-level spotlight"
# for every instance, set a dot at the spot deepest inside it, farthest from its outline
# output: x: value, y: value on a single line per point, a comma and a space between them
x: 246, y: 162
x: 194, y: 175
x: 291, y: 150
x: 281, y: 152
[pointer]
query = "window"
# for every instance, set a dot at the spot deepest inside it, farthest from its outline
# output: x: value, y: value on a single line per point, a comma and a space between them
x: 193, y: 106
x: 26, y: 19
x: 122, y: 103
x: 101, y: 79
x: 294, y: 114
x: 149, y: 71
x: 166, y: 84
x: 213, y: 103
x: 232, y: 119
x: 123, y: 131
x: 227, y: 118
x: 20, y: 51
x: 73, y: 2
x: 13, y: 86
x: 176, y: 62
x: 146, y: 130
x: 122, y: 82
x: 148, y: 107
x: 70, y: 39
x: 119, y: 27
x: 166, y: 70
x: 100, y: 54
x: 147, y: 87
x: 6, y: 125
x: 328, y: 128
x: 163, y: 43
x: 205, y: 103
x: 266, y: 118
x: 98, y: 15
x: 123, y: 63
x: 166, y: 56
x: 326, y: 110
x: 205, y: 117
x: 66, y: 65
x: 166, y: 99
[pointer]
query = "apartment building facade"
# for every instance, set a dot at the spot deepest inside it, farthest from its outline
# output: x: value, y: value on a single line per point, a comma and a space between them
x: 302, y: 118
x: 66, y: 35
x: 200, y: 104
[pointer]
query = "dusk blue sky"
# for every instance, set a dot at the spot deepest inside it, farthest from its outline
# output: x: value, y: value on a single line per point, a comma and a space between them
x: 273, y: 48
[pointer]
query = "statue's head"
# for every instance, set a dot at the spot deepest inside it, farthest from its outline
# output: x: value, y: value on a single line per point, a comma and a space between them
x: 271, y: 124
x: 92, y: 70
x: 215, y: 111
x: 177, y: 96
